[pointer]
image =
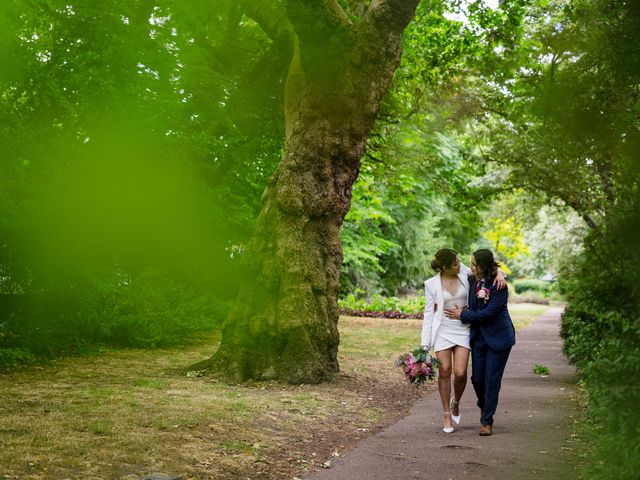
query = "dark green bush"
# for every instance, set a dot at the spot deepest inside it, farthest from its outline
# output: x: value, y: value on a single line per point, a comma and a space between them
x: 154, y: 307
x: 601, y: 331
x: 532, y: 285
x: 11, y: 357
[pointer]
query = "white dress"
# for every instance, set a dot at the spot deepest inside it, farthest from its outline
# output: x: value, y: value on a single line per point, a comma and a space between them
x: 453, y: 332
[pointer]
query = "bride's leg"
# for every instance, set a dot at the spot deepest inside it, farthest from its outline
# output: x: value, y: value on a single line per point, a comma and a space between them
x: 460, y: 363
x: 444, y: 382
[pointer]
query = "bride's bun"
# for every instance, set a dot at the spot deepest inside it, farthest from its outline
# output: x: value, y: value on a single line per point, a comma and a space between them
x: 445, y: 257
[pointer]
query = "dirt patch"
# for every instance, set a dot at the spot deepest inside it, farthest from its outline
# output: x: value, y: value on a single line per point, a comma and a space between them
x: 362, y: 407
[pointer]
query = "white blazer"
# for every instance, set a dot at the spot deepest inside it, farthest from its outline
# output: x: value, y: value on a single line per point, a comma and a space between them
x: 433, y: 304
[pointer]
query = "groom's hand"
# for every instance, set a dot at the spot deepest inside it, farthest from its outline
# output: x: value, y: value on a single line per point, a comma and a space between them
x: 453, y: 312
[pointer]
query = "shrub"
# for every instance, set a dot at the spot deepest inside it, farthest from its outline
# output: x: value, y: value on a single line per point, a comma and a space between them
x: 523, y: 285
x: 379, y: 303
x: 154, y: 307
x: 529, y: 297
x: 11, y: 357
x: 601, y: 332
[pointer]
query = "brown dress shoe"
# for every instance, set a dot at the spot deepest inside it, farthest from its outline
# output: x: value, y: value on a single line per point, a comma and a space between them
x: 485, y: 430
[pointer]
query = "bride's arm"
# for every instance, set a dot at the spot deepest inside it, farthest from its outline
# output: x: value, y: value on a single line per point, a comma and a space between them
x: 500, y: 281
x: 427, y: 320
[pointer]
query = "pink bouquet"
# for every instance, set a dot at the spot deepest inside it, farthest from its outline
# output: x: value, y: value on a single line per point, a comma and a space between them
x: 418, y: 365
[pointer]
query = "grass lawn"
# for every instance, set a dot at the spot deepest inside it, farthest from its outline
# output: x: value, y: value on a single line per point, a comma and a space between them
x: 129, y: 413
x: 523, y: 313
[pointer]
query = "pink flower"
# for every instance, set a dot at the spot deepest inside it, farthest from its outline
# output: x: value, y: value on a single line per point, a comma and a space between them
x: 483, y: 294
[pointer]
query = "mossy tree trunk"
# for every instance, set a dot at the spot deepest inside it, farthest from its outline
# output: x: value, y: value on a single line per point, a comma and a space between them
x: 284, y: 323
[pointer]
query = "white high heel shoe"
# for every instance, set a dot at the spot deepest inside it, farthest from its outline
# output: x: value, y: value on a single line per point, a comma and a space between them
x: 447, y: 429
x: 455, y: 418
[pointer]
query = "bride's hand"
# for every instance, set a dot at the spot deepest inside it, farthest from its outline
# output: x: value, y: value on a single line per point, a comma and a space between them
x: 500, y: 282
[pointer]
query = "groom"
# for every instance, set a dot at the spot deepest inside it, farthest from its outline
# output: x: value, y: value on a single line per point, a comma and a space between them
x: 492, y: 334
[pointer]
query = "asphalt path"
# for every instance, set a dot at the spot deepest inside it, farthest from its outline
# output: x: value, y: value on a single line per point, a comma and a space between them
x: 531, y: 432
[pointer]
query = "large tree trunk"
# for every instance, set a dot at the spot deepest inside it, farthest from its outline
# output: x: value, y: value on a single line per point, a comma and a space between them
x: 284, y: 322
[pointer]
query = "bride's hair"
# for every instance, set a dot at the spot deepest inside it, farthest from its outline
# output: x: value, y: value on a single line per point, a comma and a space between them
x: 486, y: 262
x: 445, y: 257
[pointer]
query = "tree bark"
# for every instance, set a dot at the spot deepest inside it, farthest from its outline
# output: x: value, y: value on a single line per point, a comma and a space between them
x: 284, y: 323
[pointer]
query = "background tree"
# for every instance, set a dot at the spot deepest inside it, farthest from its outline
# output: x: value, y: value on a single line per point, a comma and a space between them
x: 284, y: 323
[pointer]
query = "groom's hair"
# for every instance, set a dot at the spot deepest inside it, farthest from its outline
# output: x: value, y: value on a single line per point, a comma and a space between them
x: 445, y: 257
x: 487, y: 263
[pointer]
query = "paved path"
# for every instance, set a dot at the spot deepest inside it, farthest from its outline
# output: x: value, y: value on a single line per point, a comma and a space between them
x: 531, y: 429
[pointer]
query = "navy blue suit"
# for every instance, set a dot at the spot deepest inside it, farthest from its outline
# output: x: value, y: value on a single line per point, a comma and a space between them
x: 492, y: 336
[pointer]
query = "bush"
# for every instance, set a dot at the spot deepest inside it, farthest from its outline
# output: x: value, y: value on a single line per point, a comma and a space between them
x: 523, y: 285
x: 529, y: 297
x: 601, y: 332
x: 378, y: 303
x: 151, y: 308
x: 11, y: 357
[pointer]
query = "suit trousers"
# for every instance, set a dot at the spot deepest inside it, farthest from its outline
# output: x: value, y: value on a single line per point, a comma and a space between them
x: 487, y: 367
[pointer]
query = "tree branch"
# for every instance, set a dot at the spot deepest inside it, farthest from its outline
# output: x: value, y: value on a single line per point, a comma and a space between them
x: 313, y: 17
x: 323, y: 39
x: 392, y: 15
x: 379, y: 36
x: 576, y: 205
x: 272, y: 18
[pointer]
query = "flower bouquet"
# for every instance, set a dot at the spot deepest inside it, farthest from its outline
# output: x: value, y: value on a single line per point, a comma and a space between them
x: 418, y: 365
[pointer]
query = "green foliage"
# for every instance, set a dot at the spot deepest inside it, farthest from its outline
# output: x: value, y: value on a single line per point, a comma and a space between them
x: 531, y: 284
x: 402, y: 213
x: 540, y: 370
x: 148, y: 309
x: 12, y: 357
x: 424, y: 166
x: 553, y: 237
x: 362, y: 236
x: 379, y: 303
x: 137, y: 138
x: 601, y: 327
x: 601, y: 330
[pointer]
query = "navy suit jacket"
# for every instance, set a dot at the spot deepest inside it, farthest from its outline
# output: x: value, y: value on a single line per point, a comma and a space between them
x: 491, y: 317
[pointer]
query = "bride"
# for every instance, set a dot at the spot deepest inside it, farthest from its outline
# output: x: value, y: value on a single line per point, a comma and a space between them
x: 448, y: 337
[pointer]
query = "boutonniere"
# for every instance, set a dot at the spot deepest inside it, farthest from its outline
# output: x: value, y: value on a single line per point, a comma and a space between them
x: 482, y: 293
